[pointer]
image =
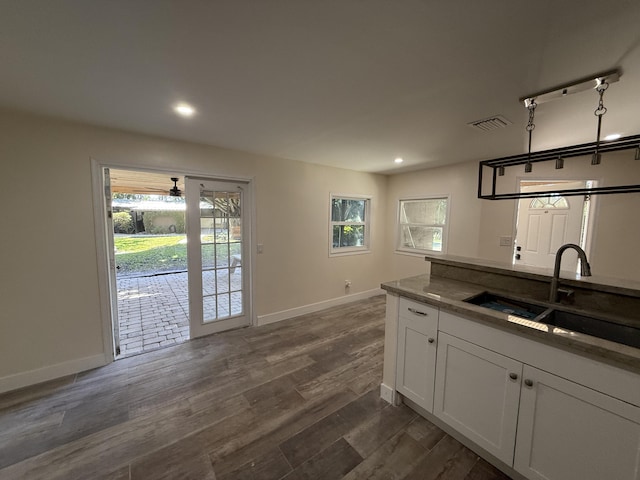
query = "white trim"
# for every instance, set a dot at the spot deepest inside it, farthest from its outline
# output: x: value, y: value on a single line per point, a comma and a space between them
x: 198, y: 327
x: 253, y: 249
x: 100, y: 235
x: 180, y: 171
x: 416, y: 254
x: 39, y: 375
x: 315, y: 307
x: 389, y: 395
x: 360, y: 251
x: 368, y: 225
x: 594, y: 212
x: 593, y: 209
x: 102, y: 258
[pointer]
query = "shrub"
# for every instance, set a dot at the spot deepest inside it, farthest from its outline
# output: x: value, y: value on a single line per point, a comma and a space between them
x: 122, y: 222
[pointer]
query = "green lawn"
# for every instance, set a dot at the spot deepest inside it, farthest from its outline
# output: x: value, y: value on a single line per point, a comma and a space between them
x: 144, y: 254
x: 141, y: 243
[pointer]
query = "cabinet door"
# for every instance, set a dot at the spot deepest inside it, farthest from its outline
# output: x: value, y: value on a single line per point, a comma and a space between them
x: 566, y: 431
x: 477, y: 393
x: 416, y: 362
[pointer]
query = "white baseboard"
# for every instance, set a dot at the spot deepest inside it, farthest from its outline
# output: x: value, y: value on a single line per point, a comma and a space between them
x: 32, y: 377
x: 388, y: 394
x: 315, y: 307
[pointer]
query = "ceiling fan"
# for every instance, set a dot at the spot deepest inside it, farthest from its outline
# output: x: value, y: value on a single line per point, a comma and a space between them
x: 175, y: 191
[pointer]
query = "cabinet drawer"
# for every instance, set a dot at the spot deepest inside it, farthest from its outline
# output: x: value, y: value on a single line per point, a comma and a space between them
x: 410, y: 309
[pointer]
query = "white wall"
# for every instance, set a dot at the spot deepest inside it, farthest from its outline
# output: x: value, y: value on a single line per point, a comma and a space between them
x: 615, y: 229
x: 458, y: 181
x: 295, y: 268
x: 476, y: 225
x: 50, y: 314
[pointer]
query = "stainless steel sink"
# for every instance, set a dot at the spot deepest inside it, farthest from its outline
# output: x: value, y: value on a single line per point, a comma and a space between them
x: 509, y: 305
x: 549, y: 314
x: 593, y: 326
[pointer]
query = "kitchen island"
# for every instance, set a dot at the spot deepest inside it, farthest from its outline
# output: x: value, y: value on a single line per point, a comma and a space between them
x: 537, y: 400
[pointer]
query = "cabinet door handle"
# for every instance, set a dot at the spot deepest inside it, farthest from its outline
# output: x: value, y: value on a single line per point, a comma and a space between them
x: 513, y: 376
x: 431, y: 340
x: 528, y: 383
x: 417, y: 312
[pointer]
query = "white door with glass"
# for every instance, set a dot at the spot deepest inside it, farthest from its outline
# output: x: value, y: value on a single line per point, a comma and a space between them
x: 218, y: 232
x: 547, y: 223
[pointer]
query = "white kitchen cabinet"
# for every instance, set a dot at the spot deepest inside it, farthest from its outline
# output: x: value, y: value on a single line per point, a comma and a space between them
x: 543, y: 412
x: 565, y: 430
x: 416, y: 353
x: 568, y: 431
x: 477, y: 392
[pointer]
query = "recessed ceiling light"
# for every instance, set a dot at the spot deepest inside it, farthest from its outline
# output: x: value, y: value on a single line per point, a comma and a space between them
x: 399, y: 160
x: 613, y: 136
x: 184, y: 109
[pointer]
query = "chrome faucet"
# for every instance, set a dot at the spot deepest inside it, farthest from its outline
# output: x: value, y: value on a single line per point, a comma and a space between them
x: 585, y: 268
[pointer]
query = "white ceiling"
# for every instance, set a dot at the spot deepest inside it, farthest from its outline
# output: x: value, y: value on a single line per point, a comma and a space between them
x: 348, y: 83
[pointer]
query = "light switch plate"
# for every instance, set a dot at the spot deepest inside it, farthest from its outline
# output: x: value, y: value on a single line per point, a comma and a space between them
x: 505, y: 241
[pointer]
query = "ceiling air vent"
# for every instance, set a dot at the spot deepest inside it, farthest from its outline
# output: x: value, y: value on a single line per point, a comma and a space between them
x: 490, y: 124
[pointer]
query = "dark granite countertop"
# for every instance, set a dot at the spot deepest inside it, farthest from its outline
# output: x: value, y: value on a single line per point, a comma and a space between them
x: 449, y: 295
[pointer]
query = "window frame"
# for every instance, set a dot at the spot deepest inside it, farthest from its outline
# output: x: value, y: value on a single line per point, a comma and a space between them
x: 357, y: 250
x: 549, y: 206
x: 445, y: 227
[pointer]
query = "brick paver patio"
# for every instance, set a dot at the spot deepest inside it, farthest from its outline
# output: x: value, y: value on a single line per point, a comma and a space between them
x: 153, y: 311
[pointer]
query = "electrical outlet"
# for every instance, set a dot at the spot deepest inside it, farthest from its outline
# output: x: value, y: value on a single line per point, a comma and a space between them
x: 347, y: 283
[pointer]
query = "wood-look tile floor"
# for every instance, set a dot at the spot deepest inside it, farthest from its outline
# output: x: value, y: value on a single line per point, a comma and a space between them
x: 298, y: 399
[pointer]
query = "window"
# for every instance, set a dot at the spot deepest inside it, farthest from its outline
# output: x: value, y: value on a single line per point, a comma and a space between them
x: 422, y: 224
x: 350, y: 224
x: 549, y: 202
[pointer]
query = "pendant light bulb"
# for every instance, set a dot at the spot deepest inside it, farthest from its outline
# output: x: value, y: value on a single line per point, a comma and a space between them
x: 637, y: 157
x: 528, y: 167
x: 595, y: 159
x: 501, y: 171
x: 559, y: 163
